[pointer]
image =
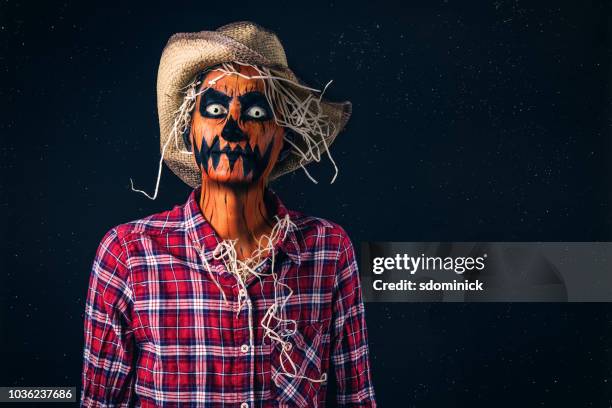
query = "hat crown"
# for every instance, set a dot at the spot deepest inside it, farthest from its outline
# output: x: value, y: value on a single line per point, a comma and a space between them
x: 258, y: 39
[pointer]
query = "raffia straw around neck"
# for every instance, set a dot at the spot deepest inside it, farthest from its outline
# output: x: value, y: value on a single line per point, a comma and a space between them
x: 226, y: 250
x: 277, y: 327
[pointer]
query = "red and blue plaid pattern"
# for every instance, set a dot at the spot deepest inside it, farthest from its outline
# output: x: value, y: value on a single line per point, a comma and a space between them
x: 159, y: 333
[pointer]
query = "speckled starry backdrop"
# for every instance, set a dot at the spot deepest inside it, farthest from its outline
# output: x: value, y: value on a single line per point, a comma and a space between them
x: 482, y: 121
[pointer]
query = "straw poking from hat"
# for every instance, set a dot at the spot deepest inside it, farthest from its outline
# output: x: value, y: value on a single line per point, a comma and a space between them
x: 303, y: 115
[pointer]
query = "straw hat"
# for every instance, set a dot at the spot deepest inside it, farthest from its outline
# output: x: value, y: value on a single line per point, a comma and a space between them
x: 188, y: 54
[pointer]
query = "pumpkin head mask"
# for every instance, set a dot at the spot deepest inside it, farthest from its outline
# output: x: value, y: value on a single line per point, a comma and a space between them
x: 233, y: 134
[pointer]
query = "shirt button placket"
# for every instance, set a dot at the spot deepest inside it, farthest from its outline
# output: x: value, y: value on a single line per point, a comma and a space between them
x: 245, y: 317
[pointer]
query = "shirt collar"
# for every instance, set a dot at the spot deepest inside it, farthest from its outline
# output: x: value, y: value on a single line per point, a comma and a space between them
x: 206, y: 239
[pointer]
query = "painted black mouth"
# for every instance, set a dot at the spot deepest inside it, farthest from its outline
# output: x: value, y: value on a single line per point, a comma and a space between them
x: 252, y: 159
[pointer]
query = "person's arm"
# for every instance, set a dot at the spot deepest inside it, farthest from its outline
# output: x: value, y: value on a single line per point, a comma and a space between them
x: 350, y: 355
x: 108, y: 375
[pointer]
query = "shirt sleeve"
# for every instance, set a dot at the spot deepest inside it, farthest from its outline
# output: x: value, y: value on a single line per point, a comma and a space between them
x: 108, y: 374
x: 350, y: 355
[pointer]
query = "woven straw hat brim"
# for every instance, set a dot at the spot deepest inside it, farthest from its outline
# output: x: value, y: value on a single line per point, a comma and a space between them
x: 188, y: 54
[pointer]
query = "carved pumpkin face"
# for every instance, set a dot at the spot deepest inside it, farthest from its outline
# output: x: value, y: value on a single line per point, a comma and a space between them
x: 234, y: 136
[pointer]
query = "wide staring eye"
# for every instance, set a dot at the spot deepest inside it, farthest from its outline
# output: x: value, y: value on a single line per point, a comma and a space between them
x: 216, y: 109
x: 256, y: 112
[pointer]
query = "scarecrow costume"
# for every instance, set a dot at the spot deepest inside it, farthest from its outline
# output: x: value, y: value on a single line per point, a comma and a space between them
x: 230, y: 299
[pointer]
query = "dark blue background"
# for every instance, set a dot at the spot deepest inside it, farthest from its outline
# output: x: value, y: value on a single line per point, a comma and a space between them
x: 472, y: 121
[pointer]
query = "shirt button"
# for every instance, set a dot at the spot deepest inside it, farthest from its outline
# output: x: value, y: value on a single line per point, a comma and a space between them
x: 287, y: 346
x: 242, y: 293
x: 244, y: 348
x: 244, y: 405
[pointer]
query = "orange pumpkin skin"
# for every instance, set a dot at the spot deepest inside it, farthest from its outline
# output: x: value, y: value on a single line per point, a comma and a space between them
x: 232, y: 199
x: 262, y: 136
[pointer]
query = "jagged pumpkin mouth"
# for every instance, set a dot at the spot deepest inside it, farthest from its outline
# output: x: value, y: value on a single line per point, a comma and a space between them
x: 253, y: 161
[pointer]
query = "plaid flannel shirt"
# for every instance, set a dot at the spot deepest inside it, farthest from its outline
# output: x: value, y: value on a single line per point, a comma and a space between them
x: 159, y: 333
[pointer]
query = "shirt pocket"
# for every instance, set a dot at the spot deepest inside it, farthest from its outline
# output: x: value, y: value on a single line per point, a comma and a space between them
x: 296, y: 368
